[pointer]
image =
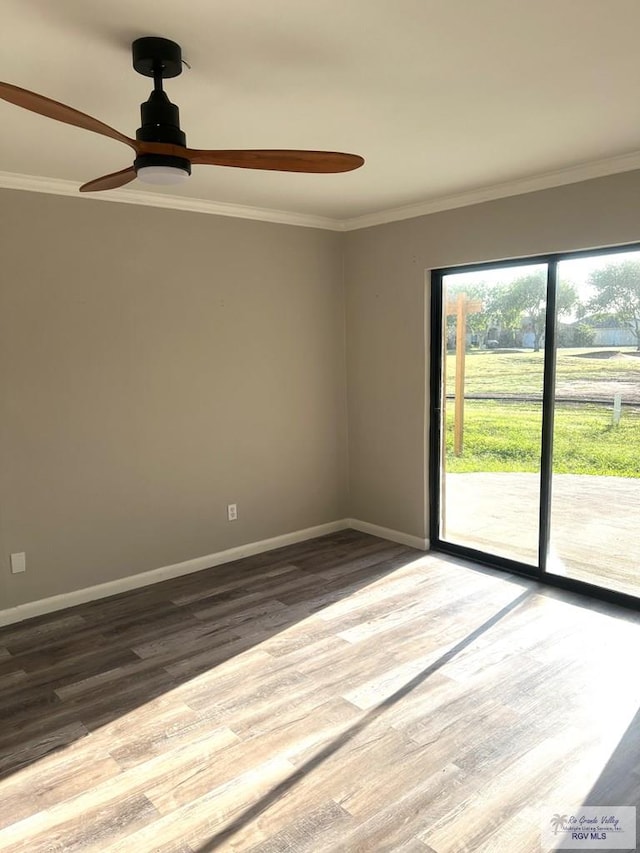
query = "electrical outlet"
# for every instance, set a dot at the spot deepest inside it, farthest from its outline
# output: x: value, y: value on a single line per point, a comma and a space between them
x: 18, y: 563
x: 232, y: 512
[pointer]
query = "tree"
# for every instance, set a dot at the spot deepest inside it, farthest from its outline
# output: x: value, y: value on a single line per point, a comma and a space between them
x: 525, y: 300
x: 617, y: 289
x: 477, y: 323
x: 583, y: 335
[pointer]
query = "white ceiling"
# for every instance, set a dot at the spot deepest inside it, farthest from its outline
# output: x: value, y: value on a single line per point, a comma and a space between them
x: 447, y: 100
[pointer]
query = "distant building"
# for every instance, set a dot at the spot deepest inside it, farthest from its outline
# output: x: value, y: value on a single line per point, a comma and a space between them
x: 609, y: 331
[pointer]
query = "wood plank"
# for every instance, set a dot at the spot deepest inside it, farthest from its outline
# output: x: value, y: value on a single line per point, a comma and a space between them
x: 58, y: 776
x: 342, y: 694
x: 30, y: 750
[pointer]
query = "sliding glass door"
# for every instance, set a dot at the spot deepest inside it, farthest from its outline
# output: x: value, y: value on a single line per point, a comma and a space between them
x: 595, y: 505
x: 535, y: 454
x: 492, y: 410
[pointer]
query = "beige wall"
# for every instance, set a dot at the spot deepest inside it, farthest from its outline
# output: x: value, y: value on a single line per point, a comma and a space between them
x: 154, y: 366
x: 387, y: 355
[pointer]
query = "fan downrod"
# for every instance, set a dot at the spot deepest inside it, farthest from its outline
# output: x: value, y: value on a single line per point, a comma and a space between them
x: 157, y: 57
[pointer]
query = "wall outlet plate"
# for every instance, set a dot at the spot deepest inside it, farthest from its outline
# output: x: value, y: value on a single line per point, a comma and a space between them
x: 18, y: 563
x: 232, y: 512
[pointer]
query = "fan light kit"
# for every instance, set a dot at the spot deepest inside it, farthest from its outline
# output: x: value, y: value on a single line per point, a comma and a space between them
x: 162, y: 174
x: 160, y: 146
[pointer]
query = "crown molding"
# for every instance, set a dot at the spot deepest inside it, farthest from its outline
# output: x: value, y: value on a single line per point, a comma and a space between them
x: 548, y: 180
x: 535, y: 183
x: 57, y: 186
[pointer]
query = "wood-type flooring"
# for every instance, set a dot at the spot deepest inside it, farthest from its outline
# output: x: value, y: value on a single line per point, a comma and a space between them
x: 343, y: 694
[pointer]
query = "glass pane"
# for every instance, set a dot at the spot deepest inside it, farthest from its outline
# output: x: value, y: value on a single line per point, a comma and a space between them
x: 595, y: 505
x: 492, y: 410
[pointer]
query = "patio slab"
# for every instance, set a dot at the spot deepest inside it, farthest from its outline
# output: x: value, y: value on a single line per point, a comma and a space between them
x: 595, y: 523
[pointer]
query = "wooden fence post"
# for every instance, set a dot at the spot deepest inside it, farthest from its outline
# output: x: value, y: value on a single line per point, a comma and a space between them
x: 461, y: 346
x: 460, y: 308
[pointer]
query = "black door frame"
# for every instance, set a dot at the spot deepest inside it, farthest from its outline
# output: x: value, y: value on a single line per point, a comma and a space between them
x: 437, y: 324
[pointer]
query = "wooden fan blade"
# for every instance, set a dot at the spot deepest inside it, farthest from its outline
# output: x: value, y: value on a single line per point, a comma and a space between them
x: 279, y: 161
x: 60, y: 112
x: 110, y: 182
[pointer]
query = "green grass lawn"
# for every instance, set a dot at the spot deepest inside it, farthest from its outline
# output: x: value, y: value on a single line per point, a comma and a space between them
x: 502, y: 436
x: 494, y: 372
x: 505, y: 436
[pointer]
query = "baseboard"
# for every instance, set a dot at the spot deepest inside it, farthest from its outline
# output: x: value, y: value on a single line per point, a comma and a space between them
x: 104, y: 590
x: 387, y: 533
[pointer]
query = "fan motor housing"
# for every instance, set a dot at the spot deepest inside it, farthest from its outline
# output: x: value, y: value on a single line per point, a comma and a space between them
x: 160, y: 120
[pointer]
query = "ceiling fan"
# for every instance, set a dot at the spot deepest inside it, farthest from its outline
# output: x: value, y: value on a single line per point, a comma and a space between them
x: 162, y: 156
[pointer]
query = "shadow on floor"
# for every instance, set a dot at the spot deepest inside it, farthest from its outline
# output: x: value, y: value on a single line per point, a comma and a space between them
x: 619, y: 782
x: 338, y: 743
x: 71, y: 672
